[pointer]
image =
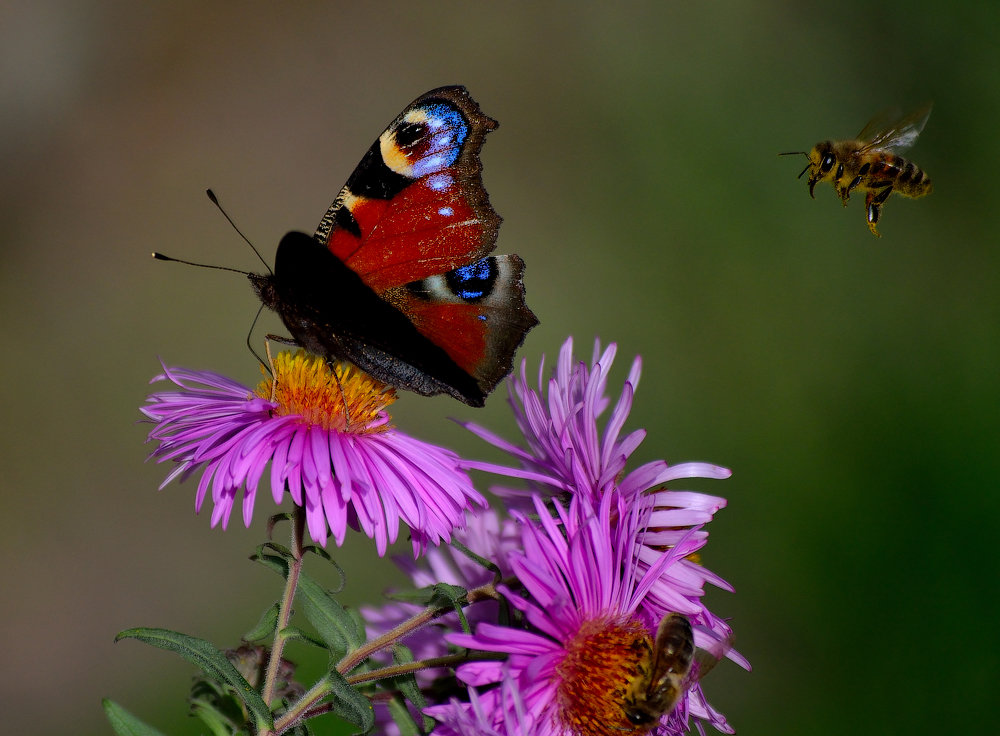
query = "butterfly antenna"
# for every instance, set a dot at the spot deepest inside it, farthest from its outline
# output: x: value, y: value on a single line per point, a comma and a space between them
x: 161, y: 257
x: 215, y: 201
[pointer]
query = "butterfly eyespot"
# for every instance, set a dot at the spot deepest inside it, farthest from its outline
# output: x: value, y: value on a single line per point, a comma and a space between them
x: 409, y: 133
x: 473, y: 282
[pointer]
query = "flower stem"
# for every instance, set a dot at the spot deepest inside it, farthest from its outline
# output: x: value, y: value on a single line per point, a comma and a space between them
x: 359, y: 655
x: 297, y: 710
x: 450, y: 660
x: 285, y: 606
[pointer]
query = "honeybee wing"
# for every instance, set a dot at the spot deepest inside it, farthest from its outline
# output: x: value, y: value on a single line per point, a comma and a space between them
x: 891, y: 132
x: 708, y: 654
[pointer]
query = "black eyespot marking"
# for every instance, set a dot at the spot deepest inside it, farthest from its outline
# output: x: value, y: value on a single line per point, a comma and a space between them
x: 419, y: 290
x: 409, y: 133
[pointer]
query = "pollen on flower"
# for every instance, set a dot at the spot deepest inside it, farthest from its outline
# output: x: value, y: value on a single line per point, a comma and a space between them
x: 601, y: 662
x: 346, y: 401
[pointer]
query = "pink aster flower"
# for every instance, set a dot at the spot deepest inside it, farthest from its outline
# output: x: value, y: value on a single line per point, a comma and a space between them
x: 567, y: 450
x: 328, y: 442
x: 486, y: 535
x: 478, y: 718
x: 581, y: 660
x: 569, y: 454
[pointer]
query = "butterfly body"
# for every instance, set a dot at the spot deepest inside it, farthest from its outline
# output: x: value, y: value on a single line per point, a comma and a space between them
x: 398, y: 278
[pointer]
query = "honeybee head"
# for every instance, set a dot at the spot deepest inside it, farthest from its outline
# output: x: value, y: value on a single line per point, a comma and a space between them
x: 821, y: 160
x: 800, y: 153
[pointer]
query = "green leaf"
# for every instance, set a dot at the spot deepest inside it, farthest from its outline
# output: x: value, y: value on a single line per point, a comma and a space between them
x: 322, y: 553
x: 404, y: 719
x: 488, y: 564
x: 407, y: 684
x: 263, y: 632
x: 331, y: 620
x: 218, y: 724
x: 279, y: 549
x: 211, y: 661
x: 439, y: 595
x: 294, y: 632
x: 273, y: 562
x: 124, y: 723
x: 350, y: 704
x: 277, y: 519
x: 410, y: 690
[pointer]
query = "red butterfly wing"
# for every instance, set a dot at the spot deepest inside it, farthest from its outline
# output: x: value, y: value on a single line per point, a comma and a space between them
x: 415, y: 223
x: 415, y: 206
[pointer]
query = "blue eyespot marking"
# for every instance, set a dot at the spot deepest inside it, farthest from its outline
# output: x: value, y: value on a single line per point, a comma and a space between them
x: 447, y: 131
x: 446, y: 211
x: 475, y: 281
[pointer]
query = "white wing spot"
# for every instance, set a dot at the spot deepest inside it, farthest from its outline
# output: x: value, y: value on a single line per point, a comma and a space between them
x: 439, y: 182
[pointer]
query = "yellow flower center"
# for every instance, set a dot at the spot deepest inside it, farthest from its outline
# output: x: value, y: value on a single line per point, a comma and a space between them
x: 340, y: 398
x: 603, y: 662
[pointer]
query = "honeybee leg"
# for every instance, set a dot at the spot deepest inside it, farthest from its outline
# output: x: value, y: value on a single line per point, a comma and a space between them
x: 874, y: 212
x: 873, y: 205
x: 842, y: 191
x: 845, y: 192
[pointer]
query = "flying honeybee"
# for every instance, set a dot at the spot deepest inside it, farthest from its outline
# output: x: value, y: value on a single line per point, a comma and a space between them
x: 870, y: 163
x: 665, y: 673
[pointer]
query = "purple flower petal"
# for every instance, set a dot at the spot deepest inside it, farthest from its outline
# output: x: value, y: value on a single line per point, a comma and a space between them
x: 217, y: 427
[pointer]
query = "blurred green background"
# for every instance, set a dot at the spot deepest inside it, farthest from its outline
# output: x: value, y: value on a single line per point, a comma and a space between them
x: 851, y: 383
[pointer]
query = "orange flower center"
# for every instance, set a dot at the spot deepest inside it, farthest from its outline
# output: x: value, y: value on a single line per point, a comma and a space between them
x: 341, y: 397
x: 602, y: 664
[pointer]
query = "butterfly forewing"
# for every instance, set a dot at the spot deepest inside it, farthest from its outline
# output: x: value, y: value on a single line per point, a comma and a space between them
x: 416, y: 205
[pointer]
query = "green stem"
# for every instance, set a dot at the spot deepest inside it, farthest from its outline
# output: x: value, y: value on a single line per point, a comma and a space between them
x: 285, y: 606
x: 359, y: 655
x: 450, y: 660
x: 300, y: 707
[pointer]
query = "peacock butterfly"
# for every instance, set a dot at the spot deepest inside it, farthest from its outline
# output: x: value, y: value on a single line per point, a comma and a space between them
x: 397, y: 278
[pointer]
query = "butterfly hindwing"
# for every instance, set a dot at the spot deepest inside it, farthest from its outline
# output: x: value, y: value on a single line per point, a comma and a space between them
x: 397, y: 278
x: 478, y: 310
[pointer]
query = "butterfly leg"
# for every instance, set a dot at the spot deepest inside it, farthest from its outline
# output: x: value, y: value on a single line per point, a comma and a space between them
x: 268, y: 339
x: 343, y: 399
